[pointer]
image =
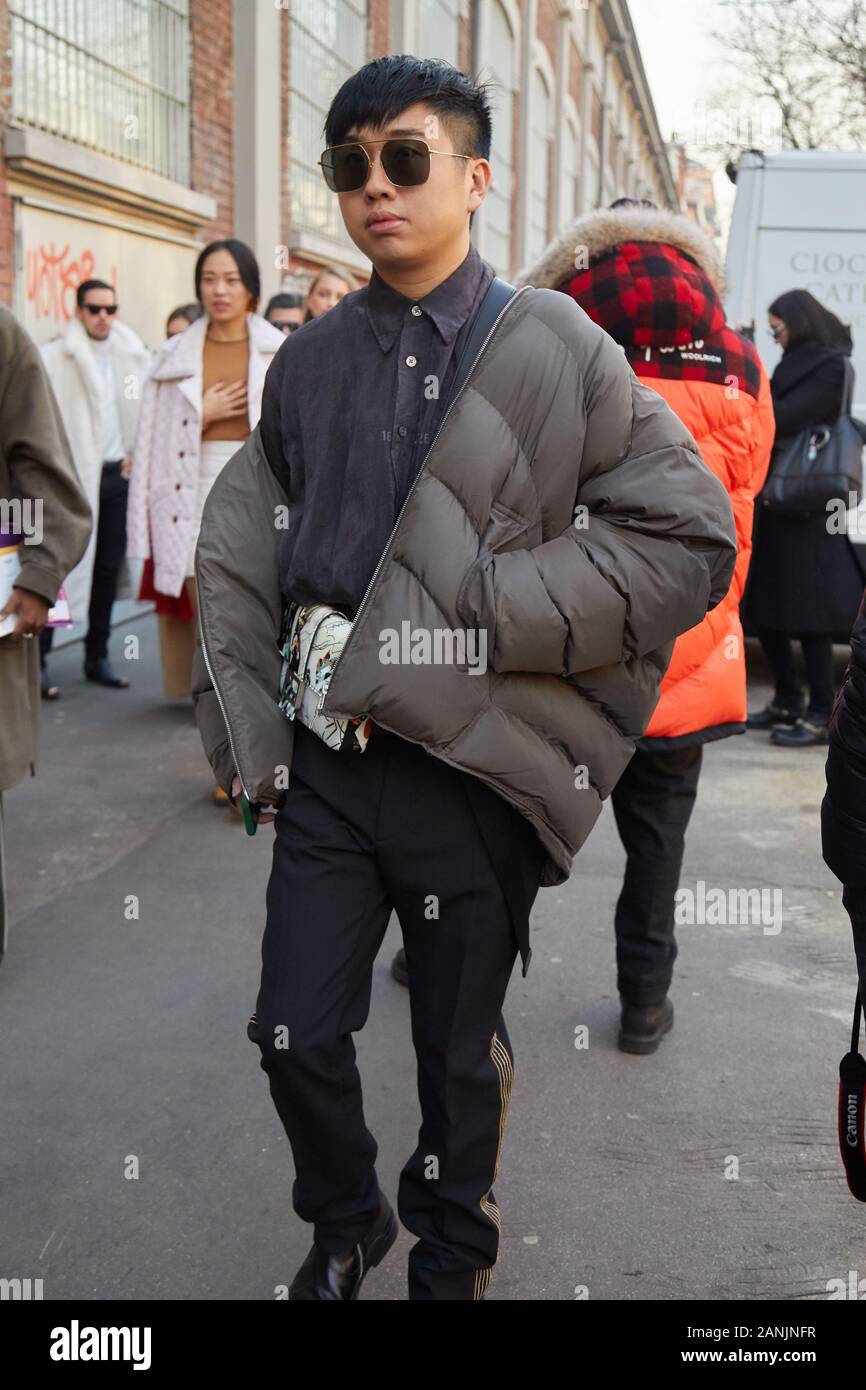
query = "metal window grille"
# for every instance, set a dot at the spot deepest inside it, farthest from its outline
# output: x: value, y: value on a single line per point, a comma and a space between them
x: 439, y: 29
x: 327, y: 43
x: 112, y: 75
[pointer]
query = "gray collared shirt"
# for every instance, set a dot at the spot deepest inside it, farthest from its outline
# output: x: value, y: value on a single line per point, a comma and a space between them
x: 350, y: 407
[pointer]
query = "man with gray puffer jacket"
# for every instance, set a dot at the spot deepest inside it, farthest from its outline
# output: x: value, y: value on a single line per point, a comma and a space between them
x: 557, y: 512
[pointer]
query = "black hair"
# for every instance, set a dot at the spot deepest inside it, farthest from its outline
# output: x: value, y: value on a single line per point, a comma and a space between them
x: 807, y: 321
x: 381, y: 89
x: 90, y: 285
x: 248, y: 266
x: 633, y: 203
x: 284, y: 301
x: 190, y: 312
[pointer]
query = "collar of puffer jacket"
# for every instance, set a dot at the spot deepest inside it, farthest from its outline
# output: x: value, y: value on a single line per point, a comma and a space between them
x: 648, y: 277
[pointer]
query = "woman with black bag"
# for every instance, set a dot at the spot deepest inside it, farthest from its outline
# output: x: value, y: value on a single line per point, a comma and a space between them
x: 804, y: 581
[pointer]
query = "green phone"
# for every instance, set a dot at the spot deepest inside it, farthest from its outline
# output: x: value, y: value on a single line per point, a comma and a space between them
x: 247, y: 812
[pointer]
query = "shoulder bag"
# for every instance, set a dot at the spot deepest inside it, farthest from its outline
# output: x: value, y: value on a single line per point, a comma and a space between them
x: 818, y: 465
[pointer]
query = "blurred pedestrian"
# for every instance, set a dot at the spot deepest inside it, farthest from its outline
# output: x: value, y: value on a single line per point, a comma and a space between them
x: 654, y: 282
x: 37, y: 471
x: 326, y: 289
x: 805, y: 582
x: 181, y: 318
x: 201, y: 400
x: 285, y: 312
x: 97, y: 368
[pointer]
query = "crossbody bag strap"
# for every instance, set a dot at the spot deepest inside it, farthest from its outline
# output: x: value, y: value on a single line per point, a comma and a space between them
x: 848, y: 386
x: 497, y: 296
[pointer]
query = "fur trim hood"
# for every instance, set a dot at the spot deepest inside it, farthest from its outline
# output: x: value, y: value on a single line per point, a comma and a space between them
x: 602, y: 230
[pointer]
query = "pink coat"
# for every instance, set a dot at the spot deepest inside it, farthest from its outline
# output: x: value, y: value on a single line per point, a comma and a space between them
x: 162, y: 492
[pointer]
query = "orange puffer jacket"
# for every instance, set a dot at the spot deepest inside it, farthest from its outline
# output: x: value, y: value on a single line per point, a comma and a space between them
x: 652, y: 280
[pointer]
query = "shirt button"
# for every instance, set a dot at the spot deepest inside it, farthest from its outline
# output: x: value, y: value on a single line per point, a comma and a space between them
x: 402, y: 431
x: 411, y: 361
x: 416, y: 311
x: 177, y: 487
x: 180, y: 454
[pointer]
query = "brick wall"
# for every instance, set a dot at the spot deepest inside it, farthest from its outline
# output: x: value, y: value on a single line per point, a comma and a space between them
x: 548, y: 23
x: 575, y: 74
x: 212, y: 99
x: 378, y: 33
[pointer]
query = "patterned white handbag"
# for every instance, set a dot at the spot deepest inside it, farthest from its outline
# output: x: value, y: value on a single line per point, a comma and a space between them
x: 311, y: 641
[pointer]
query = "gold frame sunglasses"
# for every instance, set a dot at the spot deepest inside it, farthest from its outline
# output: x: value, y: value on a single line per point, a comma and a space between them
x: 405, y: 163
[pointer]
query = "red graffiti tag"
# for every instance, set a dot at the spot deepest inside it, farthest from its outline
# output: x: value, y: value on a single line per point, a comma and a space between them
x: 51, y: 279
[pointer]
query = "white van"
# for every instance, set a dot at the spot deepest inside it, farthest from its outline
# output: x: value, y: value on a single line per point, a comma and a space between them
x: 799, y: 223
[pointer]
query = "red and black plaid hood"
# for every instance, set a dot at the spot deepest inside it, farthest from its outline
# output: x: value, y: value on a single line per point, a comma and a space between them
x: 645, y: 294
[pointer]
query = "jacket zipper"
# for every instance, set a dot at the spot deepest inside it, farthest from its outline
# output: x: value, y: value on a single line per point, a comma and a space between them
x: 382, y: 558
x: 220, y: 701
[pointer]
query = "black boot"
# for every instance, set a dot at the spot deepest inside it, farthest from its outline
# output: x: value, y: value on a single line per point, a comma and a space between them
x: 644, y: 1025
x: 101, y: 671
x: 772, y: 716
x: 338, y: 1278
x: 805, y: 734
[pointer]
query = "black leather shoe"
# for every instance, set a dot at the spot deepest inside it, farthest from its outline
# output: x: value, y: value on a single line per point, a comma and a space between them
x: 805, y: 733
x: 338, y: 1278
x: 644, y: 1025
x: 398, y: 967
x: 101, y: 672
x: 772, y: 716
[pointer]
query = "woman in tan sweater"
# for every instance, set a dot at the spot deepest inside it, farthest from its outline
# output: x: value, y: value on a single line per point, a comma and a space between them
x: 200, y: 402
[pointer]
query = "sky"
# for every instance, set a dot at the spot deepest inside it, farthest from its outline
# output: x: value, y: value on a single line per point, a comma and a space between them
x: 682, y: 62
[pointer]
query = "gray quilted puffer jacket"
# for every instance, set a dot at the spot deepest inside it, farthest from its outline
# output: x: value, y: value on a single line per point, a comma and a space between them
x: 563, y: 511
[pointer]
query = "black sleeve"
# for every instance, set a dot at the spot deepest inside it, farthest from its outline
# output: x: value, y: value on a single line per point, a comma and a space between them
x: 843, y: 814
x: 271, y: 416
x: 816, y: 400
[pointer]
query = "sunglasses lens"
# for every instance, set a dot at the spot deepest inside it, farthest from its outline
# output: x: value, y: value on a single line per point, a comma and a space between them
x: 345, y: 168
x: 406, y: 162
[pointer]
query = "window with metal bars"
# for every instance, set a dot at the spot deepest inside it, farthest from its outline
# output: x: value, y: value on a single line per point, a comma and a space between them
x: 112, y: 75
x: 327, y: 43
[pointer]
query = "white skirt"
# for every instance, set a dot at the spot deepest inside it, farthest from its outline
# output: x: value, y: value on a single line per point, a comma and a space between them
x: 214, y: 455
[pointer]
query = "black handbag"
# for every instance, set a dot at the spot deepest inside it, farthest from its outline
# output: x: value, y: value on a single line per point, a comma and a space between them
x: 852, y: 1112
x: 818, y: 465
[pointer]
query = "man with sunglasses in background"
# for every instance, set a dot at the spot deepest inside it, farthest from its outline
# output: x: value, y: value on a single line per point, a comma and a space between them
x: 556, y: 512
x: 97, y: 369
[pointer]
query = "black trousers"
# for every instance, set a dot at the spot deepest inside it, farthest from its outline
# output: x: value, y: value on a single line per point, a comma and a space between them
x: 358, y: 835
x: 652, y: 804
x: 107, y: 560
x: 818, y: 659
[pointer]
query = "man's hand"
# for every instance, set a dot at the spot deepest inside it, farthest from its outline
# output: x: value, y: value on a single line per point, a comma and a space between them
x: 126, y: 466
x: 32, y: 611
x: 259, y: 817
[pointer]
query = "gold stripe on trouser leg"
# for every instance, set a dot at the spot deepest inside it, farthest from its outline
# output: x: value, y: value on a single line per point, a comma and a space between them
x: 502, y: 1061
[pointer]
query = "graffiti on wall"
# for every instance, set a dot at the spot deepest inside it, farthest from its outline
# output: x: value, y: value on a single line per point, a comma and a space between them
x: 52, y: 276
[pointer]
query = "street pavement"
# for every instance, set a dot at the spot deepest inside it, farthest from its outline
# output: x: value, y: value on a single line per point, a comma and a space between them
x: 709, y: 1170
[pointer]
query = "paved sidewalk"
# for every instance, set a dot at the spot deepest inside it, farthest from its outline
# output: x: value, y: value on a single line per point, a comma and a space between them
x: 123, y: 1040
